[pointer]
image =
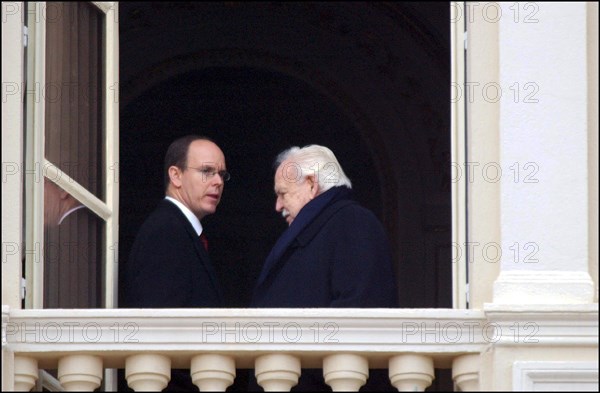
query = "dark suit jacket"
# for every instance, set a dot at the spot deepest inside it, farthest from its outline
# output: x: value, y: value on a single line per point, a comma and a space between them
x: 168, y: 267
x: 340, y: 259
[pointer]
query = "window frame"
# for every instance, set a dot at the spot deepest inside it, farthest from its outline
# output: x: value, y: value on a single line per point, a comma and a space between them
x: 458, y: 147
x: 37, y: 167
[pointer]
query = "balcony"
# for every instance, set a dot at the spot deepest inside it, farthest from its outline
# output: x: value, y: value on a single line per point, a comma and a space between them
x: 276, y: 343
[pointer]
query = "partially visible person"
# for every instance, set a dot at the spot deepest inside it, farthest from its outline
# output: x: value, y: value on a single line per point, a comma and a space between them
x: 72, y: 255
x: 58, y: 204
x: 169, y: 265
x: 335, y: 253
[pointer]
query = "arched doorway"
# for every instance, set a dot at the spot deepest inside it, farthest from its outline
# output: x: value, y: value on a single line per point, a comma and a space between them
x: 252, y: 114
x: 371, y: 81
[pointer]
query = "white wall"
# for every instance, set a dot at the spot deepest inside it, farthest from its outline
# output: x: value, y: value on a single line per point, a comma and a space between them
x: 543, y: 138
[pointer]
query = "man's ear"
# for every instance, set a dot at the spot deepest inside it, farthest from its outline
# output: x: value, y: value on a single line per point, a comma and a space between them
x: 314, y: 185
x: 175, y: 175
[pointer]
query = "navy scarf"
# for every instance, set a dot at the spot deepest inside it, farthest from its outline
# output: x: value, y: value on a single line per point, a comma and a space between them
x: 307, y: 214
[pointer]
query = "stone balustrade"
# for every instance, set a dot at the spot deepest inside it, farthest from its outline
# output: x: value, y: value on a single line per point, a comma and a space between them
x: 276, y: 343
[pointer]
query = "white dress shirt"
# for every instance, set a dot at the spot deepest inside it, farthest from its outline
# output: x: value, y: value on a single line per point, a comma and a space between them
x: 188, y: 213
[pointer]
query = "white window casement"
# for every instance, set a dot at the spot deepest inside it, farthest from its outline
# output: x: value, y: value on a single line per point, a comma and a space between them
x: 458, y: 153
x: 71, y: 141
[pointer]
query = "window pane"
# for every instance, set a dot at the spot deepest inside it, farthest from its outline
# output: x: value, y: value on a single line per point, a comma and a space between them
x: 73, y: 92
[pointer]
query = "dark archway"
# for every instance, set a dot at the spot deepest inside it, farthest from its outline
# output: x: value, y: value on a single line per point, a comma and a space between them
x: 370, y: 80
x: 253, y: 115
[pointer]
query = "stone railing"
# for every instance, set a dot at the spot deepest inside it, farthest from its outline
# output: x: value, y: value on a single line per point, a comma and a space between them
x: 276, y: 343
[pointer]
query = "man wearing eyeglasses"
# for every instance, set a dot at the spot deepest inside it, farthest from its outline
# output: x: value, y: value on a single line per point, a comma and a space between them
x: 169, y: 264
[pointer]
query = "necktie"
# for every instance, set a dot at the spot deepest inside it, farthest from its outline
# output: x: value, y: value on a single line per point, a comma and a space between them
x: 204, y: 240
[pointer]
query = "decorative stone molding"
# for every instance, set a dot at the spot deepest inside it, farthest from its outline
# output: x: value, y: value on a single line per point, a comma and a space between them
x: 443, y: 338
x: 26, y: 373
x: 277, y: 372
x: 555, y: 376
x: 80, y: 373
x: 543, y: 287
x: 148, y: 372
x: 345, y: 372
x: 411, y: 372
x: 465, y: 372
x: 212, y: 373
x: 544, y: 324
x: 189, y: 332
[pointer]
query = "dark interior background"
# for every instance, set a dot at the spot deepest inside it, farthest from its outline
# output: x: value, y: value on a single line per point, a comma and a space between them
x: 252, y: 114
x: 370, y: 80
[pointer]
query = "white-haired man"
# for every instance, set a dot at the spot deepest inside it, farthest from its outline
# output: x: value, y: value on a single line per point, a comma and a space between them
x: 335, y: 252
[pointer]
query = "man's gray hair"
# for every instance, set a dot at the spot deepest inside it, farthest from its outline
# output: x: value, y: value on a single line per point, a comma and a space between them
x: 313, y: 160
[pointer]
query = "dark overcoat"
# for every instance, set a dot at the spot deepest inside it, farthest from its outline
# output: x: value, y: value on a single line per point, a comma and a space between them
x: 340, y: 259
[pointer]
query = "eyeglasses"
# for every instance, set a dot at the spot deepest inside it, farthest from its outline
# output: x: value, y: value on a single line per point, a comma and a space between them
x: 209, y: 172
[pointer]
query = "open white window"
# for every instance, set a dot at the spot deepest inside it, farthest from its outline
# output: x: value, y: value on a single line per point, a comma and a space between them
x: 71, y: 142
